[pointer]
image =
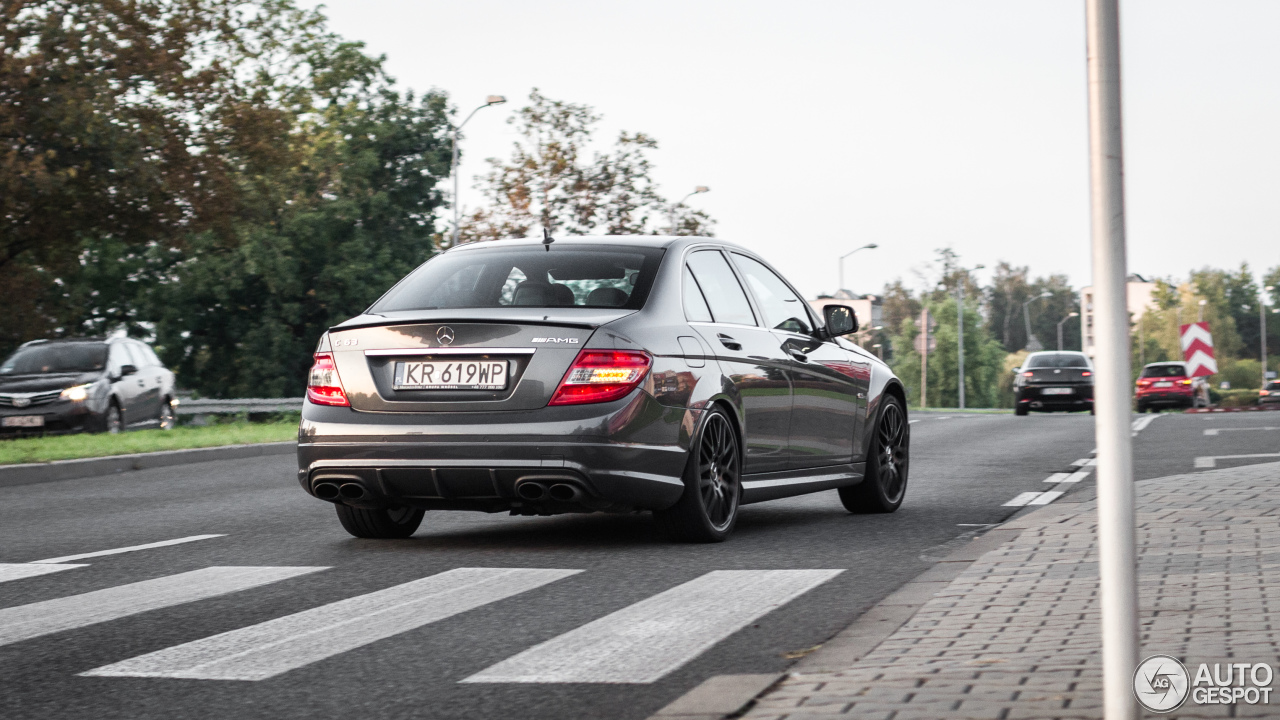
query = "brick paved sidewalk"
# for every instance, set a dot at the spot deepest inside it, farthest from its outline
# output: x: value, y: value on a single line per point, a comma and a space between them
x: 1016, y: 634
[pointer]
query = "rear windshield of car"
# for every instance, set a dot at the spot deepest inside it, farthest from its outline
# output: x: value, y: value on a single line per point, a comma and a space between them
x: 1163, y: 371
x: 600, y: 276
x: 1273, y: 386
x: 59, y: 358
x: 1058, y: 360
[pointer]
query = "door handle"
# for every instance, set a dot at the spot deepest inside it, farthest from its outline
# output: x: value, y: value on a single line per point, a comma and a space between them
x: 728, y: 341
x: 801, y: 357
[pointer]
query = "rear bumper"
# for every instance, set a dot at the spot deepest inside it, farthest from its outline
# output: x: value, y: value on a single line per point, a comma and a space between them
x: 620, y: 456
x: 1176, y: 398
x: 1034, y: 398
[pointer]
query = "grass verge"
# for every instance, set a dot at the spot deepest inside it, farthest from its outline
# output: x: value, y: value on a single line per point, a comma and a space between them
x: 71, y: 447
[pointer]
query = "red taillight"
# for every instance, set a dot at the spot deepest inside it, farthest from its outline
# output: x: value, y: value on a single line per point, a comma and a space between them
x: 1143, y: 383
x: 1263, y: 393
x: 324, y: 387
x: 1027, y: 374
x: 600, y: 376
x: 1086, y: 373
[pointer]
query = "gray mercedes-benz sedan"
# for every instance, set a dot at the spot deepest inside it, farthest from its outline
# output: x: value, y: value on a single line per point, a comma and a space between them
x: 677, y: 375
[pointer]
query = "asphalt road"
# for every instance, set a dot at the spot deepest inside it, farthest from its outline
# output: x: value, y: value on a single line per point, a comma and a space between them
x: 965, y: 468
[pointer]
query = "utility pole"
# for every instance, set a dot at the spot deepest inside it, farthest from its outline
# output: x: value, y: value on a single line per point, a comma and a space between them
x: 1262, y: 323
x: 960, y: 337
x: 1117, y: 558
x: 924, y: 358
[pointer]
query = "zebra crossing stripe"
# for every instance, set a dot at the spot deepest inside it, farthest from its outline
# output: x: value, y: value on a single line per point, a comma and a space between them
x: 24, y: 622
x: 18, y: 571
x: 645, y: 641
x: 277, y: 646
x: 131, y: 548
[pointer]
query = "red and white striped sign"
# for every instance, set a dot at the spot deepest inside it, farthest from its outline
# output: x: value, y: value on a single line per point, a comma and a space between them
x: 1197, y: 349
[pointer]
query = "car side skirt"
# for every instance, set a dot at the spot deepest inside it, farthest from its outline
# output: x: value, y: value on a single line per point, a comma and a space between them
x: 771, y: 486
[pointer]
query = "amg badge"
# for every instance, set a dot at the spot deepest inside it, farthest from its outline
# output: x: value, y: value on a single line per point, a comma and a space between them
x: 569, y: 341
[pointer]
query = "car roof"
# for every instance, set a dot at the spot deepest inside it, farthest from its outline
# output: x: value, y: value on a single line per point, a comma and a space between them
x: 64, y: 341
x: 1056, y: 352
x: 1166, y: 362
x: 655, y: 241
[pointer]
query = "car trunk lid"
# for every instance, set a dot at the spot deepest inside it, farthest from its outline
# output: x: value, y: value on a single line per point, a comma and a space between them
x: 1050, y: 376
x: 414, y: 366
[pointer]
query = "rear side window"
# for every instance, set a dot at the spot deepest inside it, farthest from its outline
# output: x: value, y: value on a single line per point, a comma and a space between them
x: 782, y: 308
x: 1057, y: 360
x: 695, y: 305
x: 721, y: 288
x: 602, y: 276
x: 1157, y: 371
x: 139, y: 355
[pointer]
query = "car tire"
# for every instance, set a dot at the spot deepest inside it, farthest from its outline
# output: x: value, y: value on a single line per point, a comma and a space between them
x: 168, y: 419
x: 1020, y: 410
x: 381, y: 523
x: 888, y: 462
x: 113, y: 420
x: 708, y: 509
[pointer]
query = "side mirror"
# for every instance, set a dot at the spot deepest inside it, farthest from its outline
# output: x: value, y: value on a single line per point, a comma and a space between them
x: 840, y: 320
x: 1017, y: 370
x: 127, y: 370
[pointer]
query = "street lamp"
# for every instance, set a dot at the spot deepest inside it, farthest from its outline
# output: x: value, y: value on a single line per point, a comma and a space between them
x: 1027, y: 318
x: 1262, y: 323
x: 1068, y: 317
x: 453, y: 165
x: 840, y: 263
x: 960, y: 329
x: 1202, y: 303
x: 671, y: 216
x: 879, y: 350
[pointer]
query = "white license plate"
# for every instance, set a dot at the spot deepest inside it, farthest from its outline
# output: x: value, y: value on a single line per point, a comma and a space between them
x: 1164, y: 384
x: 1056, y: 391
x: 451, y: 375
x: 23, y: 421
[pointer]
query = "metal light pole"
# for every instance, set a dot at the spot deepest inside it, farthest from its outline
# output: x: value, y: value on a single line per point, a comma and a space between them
x: 1026, y: 317
x: 1262, y: 325
x: 453, y: 164
x: 671, y: 216
x: 1117, y: 565
x: 960, y: 329
x: 1200, y: 316
x: 924, y: 358
x: 840, y: 262
x: 1068, y: 317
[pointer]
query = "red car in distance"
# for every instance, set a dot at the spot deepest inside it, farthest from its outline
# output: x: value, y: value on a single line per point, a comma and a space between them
x: 1166, y: 385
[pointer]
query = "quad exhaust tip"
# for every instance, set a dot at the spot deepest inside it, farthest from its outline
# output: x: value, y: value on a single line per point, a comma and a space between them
x: 327, y: 491
x: 352, y: 491
x: 532, y: 490
x: 564, y: 492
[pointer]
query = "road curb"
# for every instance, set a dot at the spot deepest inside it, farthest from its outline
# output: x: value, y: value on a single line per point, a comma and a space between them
x: 33, y: 473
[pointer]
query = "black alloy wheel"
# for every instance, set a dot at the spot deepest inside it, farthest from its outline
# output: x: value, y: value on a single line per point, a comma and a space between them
x: 885, y: 482
x: 708, y: 509
x: 380, y: 523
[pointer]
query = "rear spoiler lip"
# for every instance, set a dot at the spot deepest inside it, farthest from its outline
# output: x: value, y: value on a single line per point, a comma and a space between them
x: 589, y: 321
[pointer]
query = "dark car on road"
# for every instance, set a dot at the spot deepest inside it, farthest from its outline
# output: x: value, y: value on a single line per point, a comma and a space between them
x: 94, y: 385
x: 1270, y: 395
x: 1167, y: 385
x: 1052, y: 382
x: 681, y: 376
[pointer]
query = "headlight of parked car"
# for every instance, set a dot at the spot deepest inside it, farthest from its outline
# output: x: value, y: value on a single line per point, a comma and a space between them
x: 79, y: 392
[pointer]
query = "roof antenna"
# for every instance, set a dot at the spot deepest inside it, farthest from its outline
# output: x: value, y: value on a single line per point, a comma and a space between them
x: 547, y: 239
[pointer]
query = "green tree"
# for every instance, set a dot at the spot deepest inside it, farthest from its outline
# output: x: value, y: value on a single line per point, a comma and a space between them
x: 983, y: 359
x: 554, y: 180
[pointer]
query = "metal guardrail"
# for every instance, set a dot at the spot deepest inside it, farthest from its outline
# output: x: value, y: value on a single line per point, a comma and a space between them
x: 212, y: 406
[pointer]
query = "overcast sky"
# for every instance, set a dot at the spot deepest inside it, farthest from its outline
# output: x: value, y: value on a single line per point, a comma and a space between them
x: 822, y: 126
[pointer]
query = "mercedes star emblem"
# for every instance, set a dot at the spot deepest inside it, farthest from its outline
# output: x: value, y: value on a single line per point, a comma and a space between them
x: 445, y: 335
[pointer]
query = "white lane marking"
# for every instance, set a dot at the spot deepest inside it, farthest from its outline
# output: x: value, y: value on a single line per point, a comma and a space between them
x: 1215, y: 431
x: 24, y: 622
x: 277, y: 646
x: 1141, y: 423
x: 18, y: 571
x: 912, y: 422
x: 1212, y: 460
x: 1085, y: 462
x: 1057, y: 477
x: 1022, y: 499
x: 131, y: 548
x: 645, y: 641
x: 1046, y: 497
